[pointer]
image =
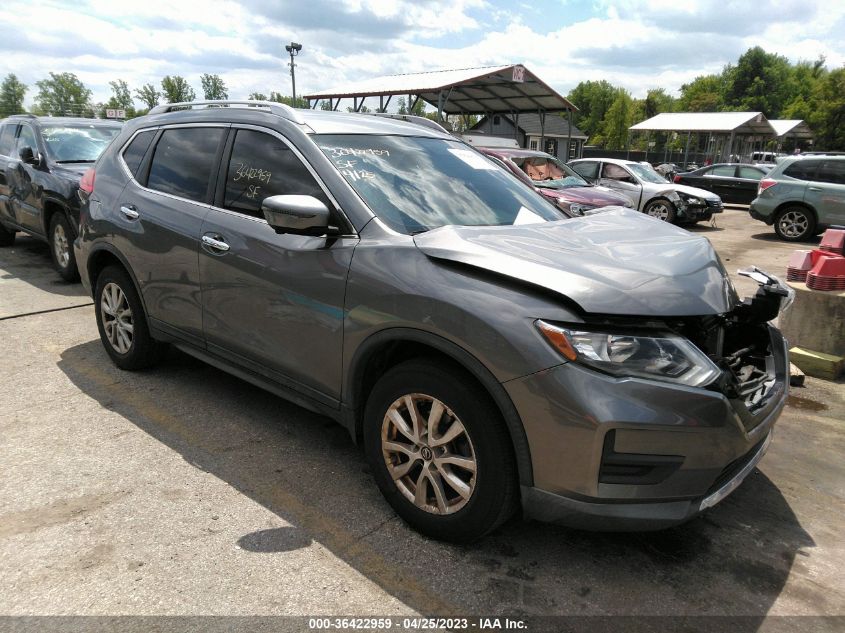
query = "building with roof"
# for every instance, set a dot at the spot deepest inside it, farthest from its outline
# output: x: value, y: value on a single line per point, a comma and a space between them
x: 525, y: 128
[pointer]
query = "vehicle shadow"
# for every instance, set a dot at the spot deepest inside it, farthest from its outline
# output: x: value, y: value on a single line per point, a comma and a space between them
x: 28, y: 260
x: 771, y: 236
x: 303, y: 467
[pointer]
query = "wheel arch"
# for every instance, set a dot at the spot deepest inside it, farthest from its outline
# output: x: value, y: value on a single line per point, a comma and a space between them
x: 104, y: 255
x: 51, y: 208
x: 795, y: 203
x: 387, y: 348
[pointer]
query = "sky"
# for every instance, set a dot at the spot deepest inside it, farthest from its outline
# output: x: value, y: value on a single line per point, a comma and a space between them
x: 636, y: 44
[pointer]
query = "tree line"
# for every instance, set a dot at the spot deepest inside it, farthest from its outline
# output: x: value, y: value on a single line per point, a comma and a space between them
x: 758, y: 82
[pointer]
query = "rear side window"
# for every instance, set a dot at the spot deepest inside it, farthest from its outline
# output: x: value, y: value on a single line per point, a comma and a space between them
x: 183, y: 162
x: 7, y: 139
x: 802, y: 169
x: 723, y: 170
x: 134, y: 153
x: 587, y: 170
x: 750, y: 172
x: 262, y: 166
x: 832, y: 171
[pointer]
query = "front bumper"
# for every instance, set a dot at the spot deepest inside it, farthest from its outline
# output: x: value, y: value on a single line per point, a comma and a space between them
x: 699, y: 444
x: 698, y: 213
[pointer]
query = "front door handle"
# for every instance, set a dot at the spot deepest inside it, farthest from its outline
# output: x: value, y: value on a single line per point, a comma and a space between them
x: 814, y: 188
x: 129, y: 211
x: 216, y: 244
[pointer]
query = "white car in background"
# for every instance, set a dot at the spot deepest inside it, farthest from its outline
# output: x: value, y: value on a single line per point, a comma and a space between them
x: 651, y: 193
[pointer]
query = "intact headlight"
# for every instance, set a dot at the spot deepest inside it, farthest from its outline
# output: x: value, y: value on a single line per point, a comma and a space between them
x: 579, y: 209
x: 663, y: 356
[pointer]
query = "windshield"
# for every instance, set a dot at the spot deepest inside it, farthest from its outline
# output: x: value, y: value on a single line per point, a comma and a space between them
x: 416, y: 184
x: 77, y: 143
x: 646, y: 173
x: 546, y: 171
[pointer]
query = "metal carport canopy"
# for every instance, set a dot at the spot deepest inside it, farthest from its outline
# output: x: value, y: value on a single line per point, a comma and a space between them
x: 484, y: 90
x: 718, y: 122
x: 791, y: 127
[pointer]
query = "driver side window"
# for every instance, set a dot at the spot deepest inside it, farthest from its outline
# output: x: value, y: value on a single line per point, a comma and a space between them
x: 26, y: 138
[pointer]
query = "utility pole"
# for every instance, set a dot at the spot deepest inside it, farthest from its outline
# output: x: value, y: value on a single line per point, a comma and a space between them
x: 293, y: 49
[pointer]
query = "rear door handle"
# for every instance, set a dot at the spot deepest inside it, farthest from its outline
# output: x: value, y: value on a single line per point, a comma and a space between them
x: 129, y: 211
x: 814, y: 188
x: 216, y: 243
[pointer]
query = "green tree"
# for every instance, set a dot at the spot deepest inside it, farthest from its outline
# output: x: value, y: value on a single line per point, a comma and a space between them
x: 280, y: 98
x: 325, y: 104
x: 63, y: 94
x: 760, y: 82
x: 827, y: 119
x: 617, y: 120
x: 121, y: 99
x: 257, y: 96
x: 657, y: 101
x: 702, y: 94
x: 12, y: 92
x: 148, y: 95
x: 417, y: 110
x: 176, y: 90
x: 593, y: 99
x: 213, y: 87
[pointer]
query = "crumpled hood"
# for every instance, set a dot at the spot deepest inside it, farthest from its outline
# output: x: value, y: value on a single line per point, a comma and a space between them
x: 619, y: 262
x: 71, y: 171
x: 695, y: 191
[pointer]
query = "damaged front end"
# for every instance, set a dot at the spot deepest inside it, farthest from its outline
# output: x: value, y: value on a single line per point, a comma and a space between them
x: 749, y: 352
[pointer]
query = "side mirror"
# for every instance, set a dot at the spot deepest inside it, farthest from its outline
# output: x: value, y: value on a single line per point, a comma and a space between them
x: 300, y: 215
x: 29, y: 156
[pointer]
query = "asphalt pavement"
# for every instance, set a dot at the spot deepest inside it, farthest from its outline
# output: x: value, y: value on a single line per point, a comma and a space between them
x: 185, y: 491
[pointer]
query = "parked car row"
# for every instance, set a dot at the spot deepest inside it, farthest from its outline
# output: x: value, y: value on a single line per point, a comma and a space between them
x: 460, y: 326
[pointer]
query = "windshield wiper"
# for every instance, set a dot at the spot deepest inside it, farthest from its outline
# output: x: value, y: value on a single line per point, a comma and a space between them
x: 77, y: 160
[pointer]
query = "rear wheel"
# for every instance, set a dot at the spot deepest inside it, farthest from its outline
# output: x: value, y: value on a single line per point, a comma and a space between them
x: 795, y: 224
x: 7, y: 236
x: 439, y: 451
x: 61, y: 247
x: 122, y: 322
x: 661, y: 209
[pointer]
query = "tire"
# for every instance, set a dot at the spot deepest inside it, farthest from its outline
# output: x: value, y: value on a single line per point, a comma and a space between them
x: 661, y: 209
x: 61, y: 247
x: 7, y: 236
x: 795, y: 224
x: 132, y: 348
x: 474, y: 497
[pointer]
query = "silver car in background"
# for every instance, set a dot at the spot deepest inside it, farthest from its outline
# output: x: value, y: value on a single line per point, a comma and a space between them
x: 652, y: 193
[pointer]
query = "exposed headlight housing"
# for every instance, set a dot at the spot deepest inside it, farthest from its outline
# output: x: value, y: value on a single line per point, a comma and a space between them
x: 578, y: 209
x: 659, y: 356
x: 689, y: 199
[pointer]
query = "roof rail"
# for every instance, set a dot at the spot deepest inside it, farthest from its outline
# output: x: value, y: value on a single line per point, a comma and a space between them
x: 279, y: 109
x: 23, y: 115
x: 411, y: 118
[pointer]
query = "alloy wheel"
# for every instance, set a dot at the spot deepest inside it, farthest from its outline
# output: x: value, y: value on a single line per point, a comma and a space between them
x: 61, y: 248
x: 659, y: 210
x: 116, y: 316
x: 793, y: 223
x: 428, y: 453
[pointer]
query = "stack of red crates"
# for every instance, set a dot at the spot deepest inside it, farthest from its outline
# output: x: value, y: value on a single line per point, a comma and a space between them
x: 822, y: 268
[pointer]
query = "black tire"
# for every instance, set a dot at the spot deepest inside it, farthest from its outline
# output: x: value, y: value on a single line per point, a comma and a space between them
x: 61, y: 247
x: 795, y: 224
x: 7, y: 236
x: 143, y: 350
x: 493, y: 488
x: 662, y: 209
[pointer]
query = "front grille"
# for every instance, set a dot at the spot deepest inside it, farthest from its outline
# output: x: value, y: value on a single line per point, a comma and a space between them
x: 713, y: 202
x: 730, y: 471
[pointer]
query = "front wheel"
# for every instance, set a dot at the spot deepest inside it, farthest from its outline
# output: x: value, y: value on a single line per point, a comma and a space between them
x: 122, y: 322
x: 795, y: 224
x: 439, y: 451
x: 661, y: 209
x: 61, y: 247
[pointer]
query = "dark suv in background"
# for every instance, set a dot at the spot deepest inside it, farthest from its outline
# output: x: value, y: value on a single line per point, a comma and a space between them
x: 43, y: 159
x: 486, y: 349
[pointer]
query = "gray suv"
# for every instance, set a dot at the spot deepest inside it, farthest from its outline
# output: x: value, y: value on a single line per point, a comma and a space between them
x: 487, y: 351
x: 802, y: 196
